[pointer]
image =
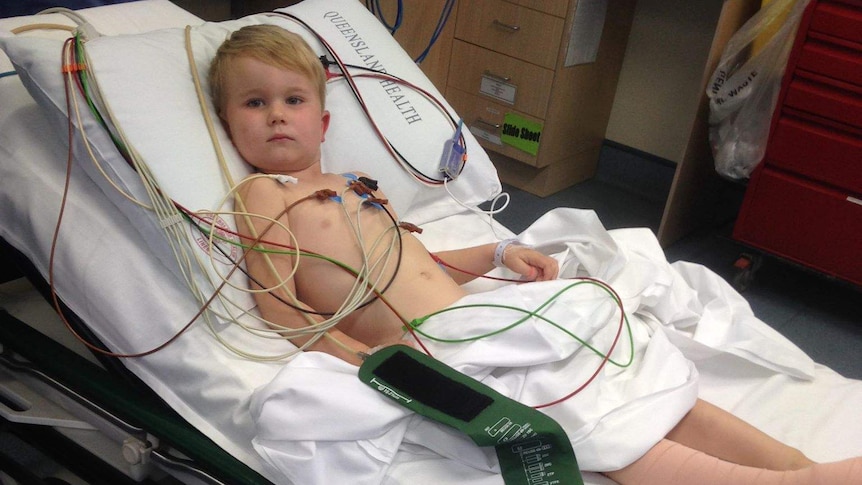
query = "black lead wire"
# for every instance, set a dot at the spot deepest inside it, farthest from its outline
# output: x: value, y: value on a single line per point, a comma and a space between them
x: 355, y: 91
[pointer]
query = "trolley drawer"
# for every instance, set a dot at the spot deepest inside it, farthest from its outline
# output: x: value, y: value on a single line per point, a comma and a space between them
x: 833, y: 58
x: 841, y: 18
x: 817, y: 149
x: 804, y: 222
x: 827, y: 97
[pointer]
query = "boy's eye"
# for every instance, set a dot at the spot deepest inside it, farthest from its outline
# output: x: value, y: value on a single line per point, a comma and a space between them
x: 254, y: 103
x: 294, y: 100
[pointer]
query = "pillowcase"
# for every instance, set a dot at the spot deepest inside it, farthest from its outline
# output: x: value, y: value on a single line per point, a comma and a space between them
x: 146, y: 81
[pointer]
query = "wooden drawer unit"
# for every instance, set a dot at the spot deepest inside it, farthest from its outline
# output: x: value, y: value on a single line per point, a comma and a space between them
x: 511, y: 61
x: 804, y: 202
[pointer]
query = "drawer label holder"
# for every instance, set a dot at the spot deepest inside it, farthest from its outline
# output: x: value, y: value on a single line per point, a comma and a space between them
x: 498, y: 88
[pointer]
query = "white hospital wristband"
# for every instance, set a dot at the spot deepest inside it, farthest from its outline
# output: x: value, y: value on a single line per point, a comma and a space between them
x: 500, y: 251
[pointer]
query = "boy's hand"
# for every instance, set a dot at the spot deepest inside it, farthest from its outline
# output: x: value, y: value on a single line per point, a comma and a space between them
x: 531, y: 264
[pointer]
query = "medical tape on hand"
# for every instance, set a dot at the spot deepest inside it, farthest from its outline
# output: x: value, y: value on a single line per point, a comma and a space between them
x: 532, y: 448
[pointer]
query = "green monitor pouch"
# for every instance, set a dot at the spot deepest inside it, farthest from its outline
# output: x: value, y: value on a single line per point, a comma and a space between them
x: 531, y: 447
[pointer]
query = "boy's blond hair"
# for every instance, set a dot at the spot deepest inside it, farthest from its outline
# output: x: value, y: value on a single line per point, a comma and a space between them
x: 269, y: 44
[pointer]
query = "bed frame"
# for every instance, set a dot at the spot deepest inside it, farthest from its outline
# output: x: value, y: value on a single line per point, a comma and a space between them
x: 100, y: 422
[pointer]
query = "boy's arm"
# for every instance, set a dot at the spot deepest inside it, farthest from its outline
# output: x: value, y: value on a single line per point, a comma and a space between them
x: 274, y: 269
x: 529, y: 263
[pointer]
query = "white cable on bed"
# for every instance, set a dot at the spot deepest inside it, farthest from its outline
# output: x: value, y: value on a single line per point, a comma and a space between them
x: 493, y: 210
x: 75, y: 16
x: 368, y: 279
x: 84, y: 28
x: 226, y: 172
x: 42, y: 26
x: 363, y: 289
x: 85, y: 140
x: 364, y: 285
x: 282, y: 279
x: 162, y: 207
x: 219, y: 153
x: 166, y: 210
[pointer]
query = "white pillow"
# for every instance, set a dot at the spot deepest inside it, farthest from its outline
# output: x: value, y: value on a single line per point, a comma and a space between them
x: 146, y: 82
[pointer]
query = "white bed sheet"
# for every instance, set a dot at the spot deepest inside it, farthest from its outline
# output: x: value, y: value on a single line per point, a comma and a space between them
x: 819, y: 416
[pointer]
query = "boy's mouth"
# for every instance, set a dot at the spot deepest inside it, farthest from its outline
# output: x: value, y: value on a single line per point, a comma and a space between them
x: 280, y: 137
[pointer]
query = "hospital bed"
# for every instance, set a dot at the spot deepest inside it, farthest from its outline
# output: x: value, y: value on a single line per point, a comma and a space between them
x: 187, y: 410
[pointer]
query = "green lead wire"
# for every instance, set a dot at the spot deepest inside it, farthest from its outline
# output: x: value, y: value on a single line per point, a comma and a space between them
x: 88, y: 97
x: 416, y: 323
x: 528, y: 314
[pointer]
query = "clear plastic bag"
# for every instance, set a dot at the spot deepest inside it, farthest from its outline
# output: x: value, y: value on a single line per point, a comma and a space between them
x: 745, y: 85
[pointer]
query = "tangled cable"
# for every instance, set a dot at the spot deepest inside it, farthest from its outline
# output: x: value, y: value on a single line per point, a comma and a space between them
x: 370, y: 284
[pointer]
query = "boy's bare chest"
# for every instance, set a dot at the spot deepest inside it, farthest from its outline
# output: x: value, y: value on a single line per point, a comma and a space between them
x: 342, y: 227
x: 346, y: 236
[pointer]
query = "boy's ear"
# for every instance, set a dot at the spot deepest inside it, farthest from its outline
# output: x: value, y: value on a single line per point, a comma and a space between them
x: 324, y: 125
x: 225, y: 126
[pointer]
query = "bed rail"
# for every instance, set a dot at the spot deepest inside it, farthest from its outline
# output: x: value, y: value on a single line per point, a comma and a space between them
x: 159, y: 435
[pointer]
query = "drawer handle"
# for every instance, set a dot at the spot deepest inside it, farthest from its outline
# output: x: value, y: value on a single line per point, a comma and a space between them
x: 506, y: 27
x: 497, y: 77
x: 495, y: 126
x: 854, y: 200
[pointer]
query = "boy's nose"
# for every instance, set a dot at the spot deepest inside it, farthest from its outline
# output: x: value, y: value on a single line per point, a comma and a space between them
x: 276, y: 116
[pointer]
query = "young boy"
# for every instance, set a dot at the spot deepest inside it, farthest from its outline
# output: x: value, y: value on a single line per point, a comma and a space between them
x: 269, y: 91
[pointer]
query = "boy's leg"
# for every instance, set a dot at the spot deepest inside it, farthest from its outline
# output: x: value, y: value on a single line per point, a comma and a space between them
x: 670, y: 463
x: 716, y: 432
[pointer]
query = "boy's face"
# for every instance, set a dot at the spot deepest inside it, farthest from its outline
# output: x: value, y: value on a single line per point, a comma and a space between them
x: 274, y: 116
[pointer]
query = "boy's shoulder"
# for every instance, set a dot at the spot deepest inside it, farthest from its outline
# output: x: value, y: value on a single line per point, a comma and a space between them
x: 263, y: 193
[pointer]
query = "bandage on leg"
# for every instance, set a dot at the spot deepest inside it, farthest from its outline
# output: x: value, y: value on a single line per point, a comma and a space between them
x: 719, y: 433
x: 669, y: 463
